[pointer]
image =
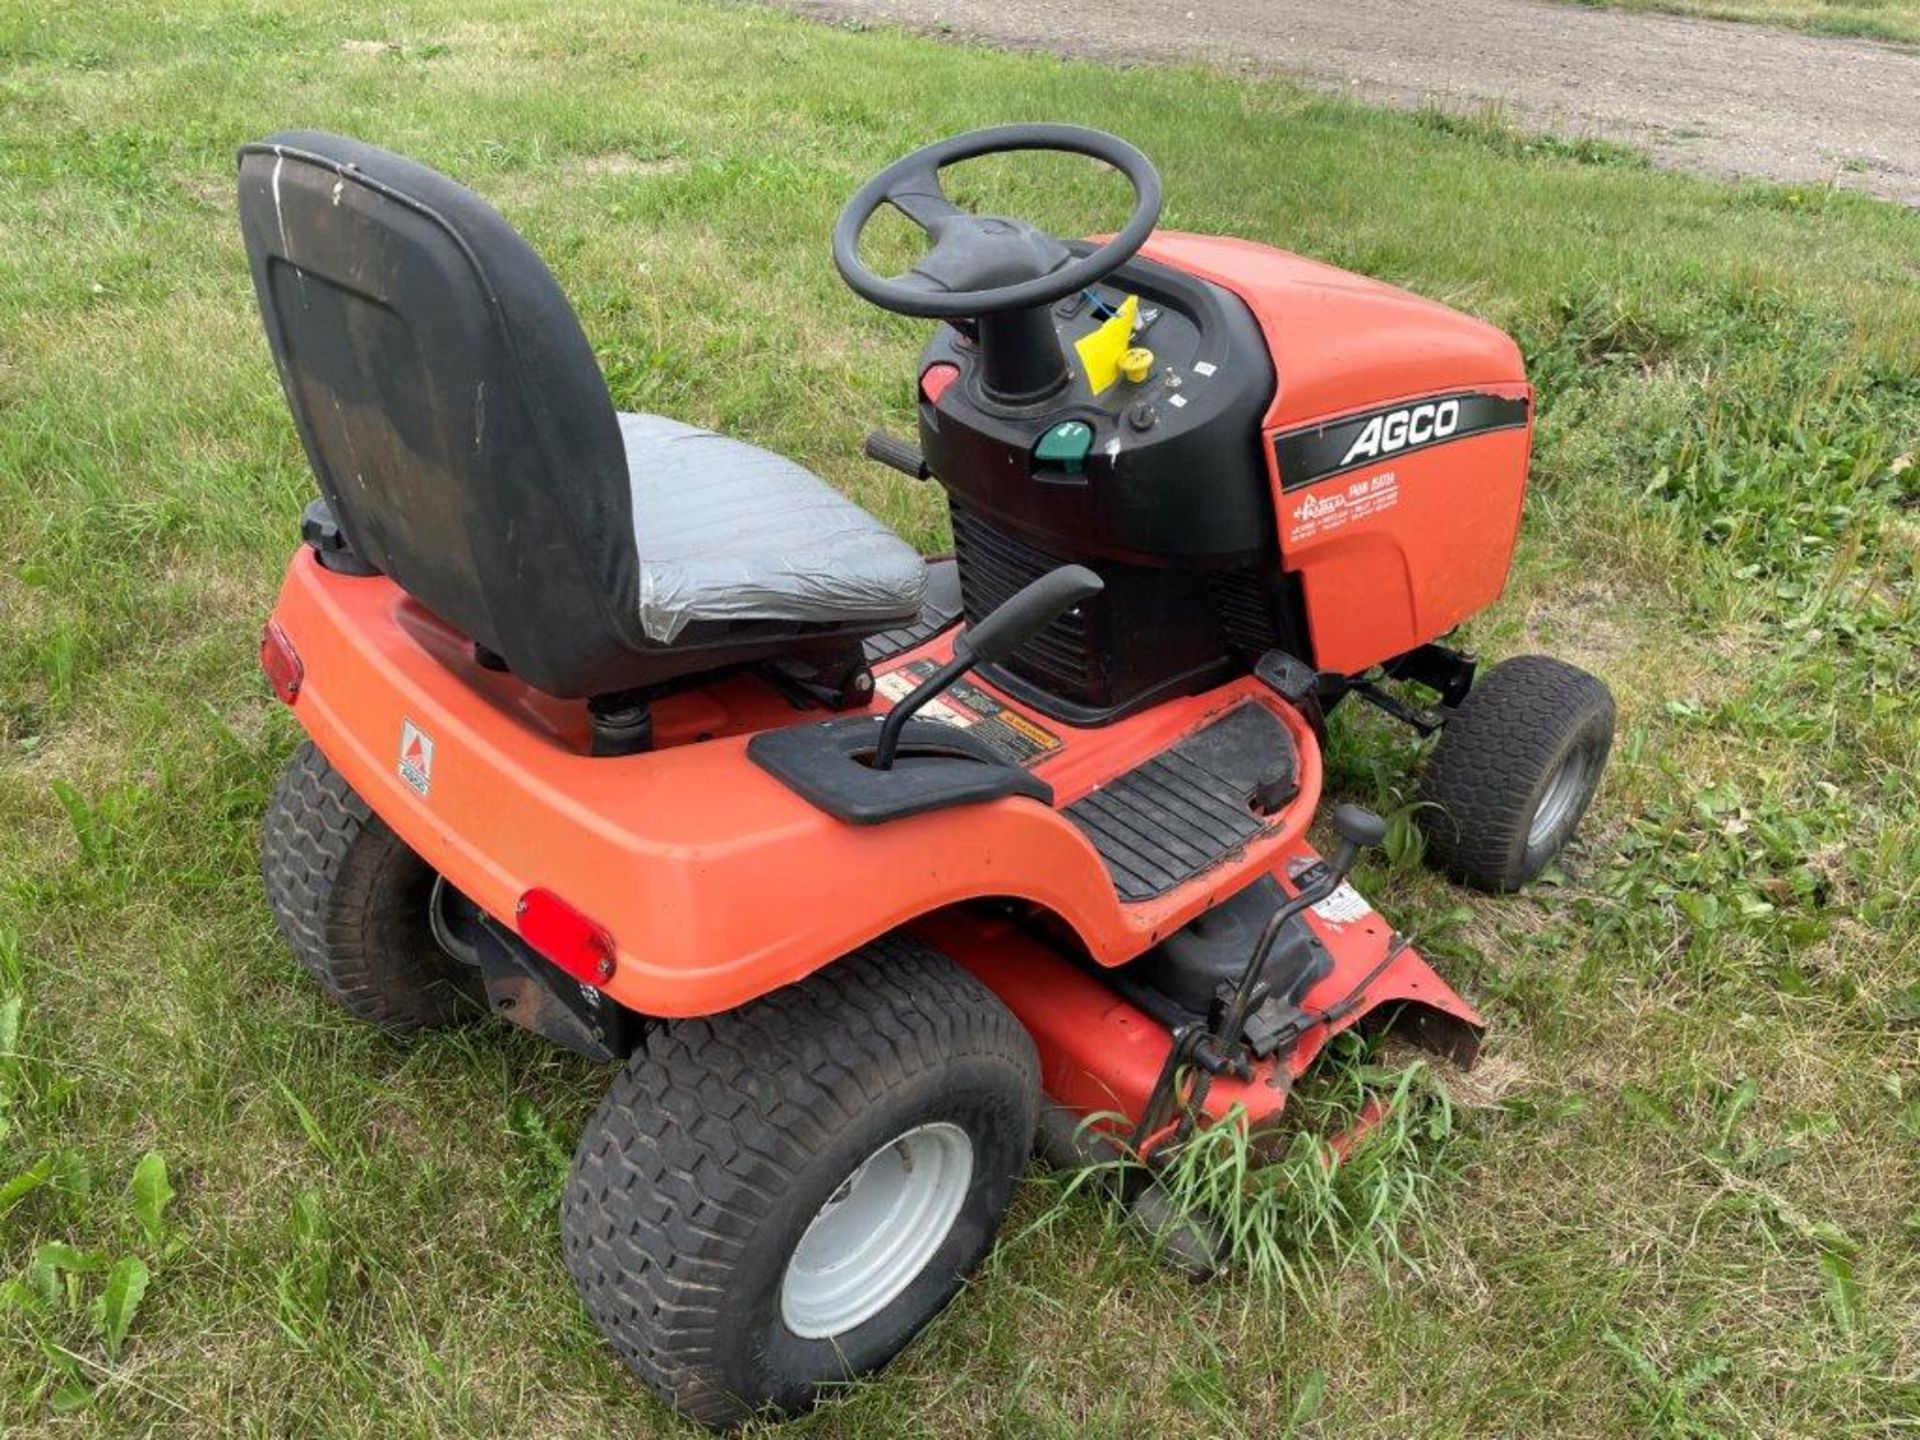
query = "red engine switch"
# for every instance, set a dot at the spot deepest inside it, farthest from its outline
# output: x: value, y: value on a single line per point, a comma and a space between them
x: 935, y: 380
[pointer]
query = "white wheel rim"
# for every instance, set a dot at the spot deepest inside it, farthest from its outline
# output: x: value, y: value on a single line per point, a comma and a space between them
x: 877, y: 1232
x: 1557, y: 803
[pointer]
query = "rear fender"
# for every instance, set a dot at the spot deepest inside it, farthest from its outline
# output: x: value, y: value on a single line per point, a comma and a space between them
x: 715, y: 882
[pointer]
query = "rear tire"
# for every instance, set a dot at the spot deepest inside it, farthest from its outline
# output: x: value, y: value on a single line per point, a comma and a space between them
x: 352, y: 901
x: 689, y: 1218
x: 1514, y: 770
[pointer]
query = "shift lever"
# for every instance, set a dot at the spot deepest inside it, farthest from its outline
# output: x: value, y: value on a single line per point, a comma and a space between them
x: 994, y: 637
x: 1216, y: 1047
x: 1358, y: 828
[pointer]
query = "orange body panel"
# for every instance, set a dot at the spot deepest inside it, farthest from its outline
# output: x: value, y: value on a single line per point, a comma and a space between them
x: 1394, y: 553
x: 716, y: 882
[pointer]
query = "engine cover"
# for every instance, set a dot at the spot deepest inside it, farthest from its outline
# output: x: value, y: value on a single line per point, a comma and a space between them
x: 1397, y: 440
x: 1160, y: 484
x: 1303, y: 459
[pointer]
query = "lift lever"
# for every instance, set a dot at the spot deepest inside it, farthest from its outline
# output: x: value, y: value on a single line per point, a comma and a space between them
x: 1218, y: 1051
x: 992, y: 638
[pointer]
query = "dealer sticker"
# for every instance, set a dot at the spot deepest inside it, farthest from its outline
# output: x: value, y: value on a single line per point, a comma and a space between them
x: 416, y: 757
x: 1318, y: 511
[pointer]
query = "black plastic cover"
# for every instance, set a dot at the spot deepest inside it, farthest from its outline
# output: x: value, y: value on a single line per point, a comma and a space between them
x: 1209, y: 953
x: 1191, y: 489
x: 1171, y: 505
x: 937, y: 767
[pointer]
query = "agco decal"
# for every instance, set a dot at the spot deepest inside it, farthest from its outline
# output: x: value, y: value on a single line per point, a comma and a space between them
x: 1314, y: 453
x: 416, y: 757
x: 1397, y: 429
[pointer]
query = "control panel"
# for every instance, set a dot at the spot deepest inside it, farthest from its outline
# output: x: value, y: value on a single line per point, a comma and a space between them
x: 1169, y: 379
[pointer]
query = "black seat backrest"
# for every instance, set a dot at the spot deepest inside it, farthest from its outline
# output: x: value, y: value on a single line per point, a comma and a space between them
x: 451, y: 407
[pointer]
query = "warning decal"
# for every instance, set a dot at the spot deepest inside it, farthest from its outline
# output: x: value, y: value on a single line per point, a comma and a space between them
x: 965, y: 706
x: 1342, y: 906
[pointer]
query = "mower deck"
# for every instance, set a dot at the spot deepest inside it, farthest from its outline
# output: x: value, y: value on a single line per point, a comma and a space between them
x: 1100, y: 1055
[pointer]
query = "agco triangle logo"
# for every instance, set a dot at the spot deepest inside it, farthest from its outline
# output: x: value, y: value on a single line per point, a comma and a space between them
x: 416, y: 756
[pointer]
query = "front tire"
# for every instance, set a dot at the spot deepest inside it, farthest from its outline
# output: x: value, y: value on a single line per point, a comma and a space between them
x: 773, y: 1200
x: 352, y: 901
x: 1514, y: 771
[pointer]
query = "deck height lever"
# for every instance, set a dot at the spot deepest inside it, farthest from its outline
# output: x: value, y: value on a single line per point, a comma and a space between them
x: 991, y: 639
x: 1217, y: 1049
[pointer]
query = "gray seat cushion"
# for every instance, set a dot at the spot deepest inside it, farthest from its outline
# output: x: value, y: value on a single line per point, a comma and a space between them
x: 727, y: 531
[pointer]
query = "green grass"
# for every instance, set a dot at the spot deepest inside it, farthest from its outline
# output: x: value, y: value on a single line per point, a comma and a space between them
x: 1896, y: 20
x: 1682, y: 1196
x: 1296, y: 1210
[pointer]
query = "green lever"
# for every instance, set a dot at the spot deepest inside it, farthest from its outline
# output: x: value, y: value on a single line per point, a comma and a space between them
x: 1064, y: 447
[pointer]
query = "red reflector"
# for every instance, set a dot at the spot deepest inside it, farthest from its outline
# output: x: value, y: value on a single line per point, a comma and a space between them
x: 936, y: 379
x: 281, y: 662
x: 566, y: 937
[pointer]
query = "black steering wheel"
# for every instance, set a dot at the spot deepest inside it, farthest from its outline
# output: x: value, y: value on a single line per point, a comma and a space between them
x: 988, y: 264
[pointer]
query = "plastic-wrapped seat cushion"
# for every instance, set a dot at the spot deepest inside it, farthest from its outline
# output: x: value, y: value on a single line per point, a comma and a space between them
x: 727, y: 531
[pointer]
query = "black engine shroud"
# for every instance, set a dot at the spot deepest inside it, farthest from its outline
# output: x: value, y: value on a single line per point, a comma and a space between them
x: 1171, y: 505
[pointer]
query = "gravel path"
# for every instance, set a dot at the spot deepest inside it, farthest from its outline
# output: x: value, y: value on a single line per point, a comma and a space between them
x: 1699, y: 95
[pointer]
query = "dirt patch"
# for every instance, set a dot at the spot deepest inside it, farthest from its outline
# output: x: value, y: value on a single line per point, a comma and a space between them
x: 619, y: 165
x: 524, y: 185
x: 215, y: 190
x: 1587, y: 624
x: 1697, y: 94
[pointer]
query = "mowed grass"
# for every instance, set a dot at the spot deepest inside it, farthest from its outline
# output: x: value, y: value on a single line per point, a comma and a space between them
x: 1896, y: 20
x: 1682, y: 1196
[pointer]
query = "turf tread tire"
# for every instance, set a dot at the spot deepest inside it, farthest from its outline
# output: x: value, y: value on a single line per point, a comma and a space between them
x: 351, y: 899
x: 703, y: 1143
x: 1482, y: 783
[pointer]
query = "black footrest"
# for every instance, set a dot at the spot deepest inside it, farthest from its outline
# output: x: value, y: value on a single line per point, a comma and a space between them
x: 1191, y: 806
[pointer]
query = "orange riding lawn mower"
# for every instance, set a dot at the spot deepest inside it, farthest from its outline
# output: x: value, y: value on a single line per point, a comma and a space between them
x: 867, y: 868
